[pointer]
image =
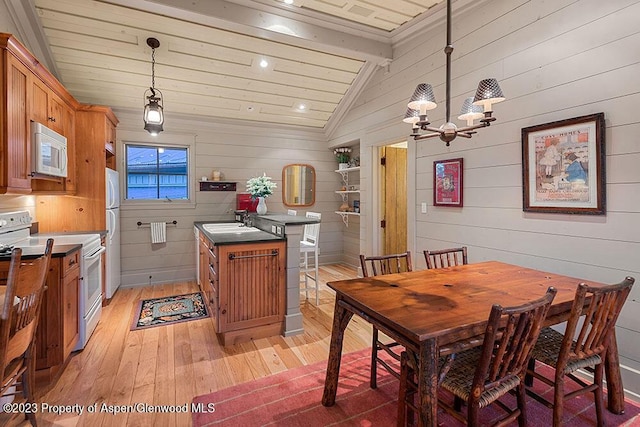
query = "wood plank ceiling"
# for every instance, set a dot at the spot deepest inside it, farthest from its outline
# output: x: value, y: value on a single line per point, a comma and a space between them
x: 258, y: 61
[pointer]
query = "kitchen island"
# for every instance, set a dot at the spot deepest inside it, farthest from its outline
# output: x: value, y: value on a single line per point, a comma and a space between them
x: 268, y: 229
x: 241, y: 271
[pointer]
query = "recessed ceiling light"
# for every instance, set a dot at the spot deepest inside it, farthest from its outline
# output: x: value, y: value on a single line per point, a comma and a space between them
x: 288, y: 1
x: 302, y: 107
x: 250, y: 108
x: 264, y: 63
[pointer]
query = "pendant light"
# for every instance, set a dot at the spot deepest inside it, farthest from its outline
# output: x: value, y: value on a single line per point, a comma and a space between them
x: 153, y: 110
x: 478, y: 107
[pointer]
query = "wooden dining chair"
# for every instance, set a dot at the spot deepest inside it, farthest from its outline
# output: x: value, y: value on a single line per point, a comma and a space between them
x: 481, y: 375
x: 18, y: 323
x: 446, y: 257
x: 376, y: 266
x: 583, y: 345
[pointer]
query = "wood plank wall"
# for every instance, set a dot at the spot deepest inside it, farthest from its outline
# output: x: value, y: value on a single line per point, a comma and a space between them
x: 554, y: 60
x: 239, y: 153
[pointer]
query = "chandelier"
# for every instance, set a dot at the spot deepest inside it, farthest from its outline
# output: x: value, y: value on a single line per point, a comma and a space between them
x: 477, y: 107
x: 153, y: 115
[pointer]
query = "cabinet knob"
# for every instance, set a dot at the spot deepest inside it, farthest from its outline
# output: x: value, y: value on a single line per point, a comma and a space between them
x: 51, y: 119
x: 224, y: 311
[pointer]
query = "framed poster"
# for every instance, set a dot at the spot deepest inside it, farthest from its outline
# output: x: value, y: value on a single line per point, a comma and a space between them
x: 447, y: 182
x: 563, y: 165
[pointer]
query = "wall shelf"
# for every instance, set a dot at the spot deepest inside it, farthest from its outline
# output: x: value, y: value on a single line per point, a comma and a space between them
x: 344, y: 173
x: 345, y: 216
x: 217, y: 186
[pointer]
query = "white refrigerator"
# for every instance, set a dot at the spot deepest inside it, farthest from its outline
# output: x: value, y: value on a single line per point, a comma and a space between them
x: 113, y: 233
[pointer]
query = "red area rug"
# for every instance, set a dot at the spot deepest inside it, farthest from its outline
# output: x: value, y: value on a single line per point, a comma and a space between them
x: 293, y: 398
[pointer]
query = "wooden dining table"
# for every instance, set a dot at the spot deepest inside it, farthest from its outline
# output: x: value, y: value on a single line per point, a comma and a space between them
x: 441, y: 311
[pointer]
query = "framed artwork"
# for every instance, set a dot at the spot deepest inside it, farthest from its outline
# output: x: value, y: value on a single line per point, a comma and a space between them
x: 563, y: 165
x: 447, y: 182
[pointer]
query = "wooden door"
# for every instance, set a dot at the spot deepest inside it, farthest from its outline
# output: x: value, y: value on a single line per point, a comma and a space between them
x: 15, y: 162
x: 394, y: 196
x: 39, y: 110
x: 71, y: 314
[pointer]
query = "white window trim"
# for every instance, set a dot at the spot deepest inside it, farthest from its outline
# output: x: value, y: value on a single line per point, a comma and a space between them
x: 176, y: 140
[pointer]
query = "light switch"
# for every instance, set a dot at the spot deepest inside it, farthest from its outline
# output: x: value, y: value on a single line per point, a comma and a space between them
x: 424, y: 207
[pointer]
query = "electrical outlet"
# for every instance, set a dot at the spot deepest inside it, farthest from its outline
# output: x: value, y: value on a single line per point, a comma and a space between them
x: 424, y: 207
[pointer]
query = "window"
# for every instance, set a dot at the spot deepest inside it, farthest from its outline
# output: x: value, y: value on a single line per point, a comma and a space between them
x: 157, y: 172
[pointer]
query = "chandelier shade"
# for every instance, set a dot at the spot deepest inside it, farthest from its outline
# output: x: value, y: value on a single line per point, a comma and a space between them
x: 411, y: 116
x: 423, y: 99
x: 488, y: 93
x: 153, y: 110
x: 479, y: 107
x: 470, y: 111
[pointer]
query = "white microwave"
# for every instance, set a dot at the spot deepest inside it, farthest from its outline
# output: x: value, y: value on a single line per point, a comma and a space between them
x: 49, y: 151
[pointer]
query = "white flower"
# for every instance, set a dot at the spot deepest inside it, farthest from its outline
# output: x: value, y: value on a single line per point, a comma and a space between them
x: 342, y: 154
x: 260, y: 186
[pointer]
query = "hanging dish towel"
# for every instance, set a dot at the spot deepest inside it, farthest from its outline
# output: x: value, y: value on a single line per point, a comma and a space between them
x: 158, y: 232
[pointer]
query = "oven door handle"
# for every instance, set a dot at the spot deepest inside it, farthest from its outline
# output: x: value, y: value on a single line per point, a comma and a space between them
x: 96, y: 254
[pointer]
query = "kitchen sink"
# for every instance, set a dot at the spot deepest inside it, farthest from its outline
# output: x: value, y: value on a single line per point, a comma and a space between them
x: 232, y: 227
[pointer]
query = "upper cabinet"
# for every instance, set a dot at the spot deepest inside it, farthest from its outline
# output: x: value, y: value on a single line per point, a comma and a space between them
x: 30, y: 93
x: 110, y: 143
x: 14, y: 148
x: 51, y: 110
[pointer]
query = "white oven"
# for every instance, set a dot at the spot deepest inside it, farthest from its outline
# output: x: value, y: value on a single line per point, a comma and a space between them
x: 90, y: 290
x: 14, y: 231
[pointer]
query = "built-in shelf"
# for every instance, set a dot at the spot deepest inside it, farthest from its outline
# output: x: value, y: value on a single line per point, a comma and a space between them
x: 345, y: 216
x: 353, y: 169
x: 345, y: 194
x: 217, y: 186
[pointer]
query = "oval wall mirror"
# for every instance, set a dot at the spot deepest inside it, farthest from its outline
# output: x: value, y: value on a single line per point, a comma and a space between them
x: 298, y: 185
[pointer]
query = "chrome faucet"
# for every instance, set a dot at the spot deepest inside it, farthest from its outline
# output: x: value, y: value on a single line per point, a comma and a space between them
x: 246, y: 219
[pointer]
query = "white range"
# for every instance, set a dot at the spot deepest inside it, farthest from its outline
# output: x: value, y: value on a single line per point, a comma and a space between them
x: 14, y: 232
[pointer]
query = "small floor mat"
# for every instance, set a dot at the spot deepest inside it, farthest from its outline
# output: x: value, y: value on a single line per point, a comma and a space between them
x: 166, y: 310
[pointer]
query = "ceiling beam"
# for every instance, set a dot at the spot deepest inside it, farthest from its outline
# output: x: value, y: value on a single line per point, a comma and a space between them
x: 23, y: 15
x: 296, y: 31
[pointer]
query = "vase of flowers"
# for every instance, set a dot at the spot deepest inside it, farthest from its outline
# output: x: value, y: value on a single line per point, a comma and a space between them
x: 261, y: 187
x: 343, y: 155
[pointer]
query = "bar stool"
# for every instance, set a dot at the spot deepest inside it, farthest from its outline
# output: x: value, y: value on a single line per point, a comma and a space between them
x: 308, y: 247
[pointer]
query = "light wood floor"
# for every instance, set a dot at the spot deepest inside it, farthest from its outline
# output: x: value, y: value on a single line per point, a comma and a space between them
x: 170, y: 365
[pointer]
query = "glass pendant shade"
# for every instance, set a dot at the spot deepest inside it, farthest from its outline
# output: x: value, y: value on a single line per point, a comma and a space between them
x: 423, y: 99
x: 488, y: 93
x: 411, y: 116
x: 470, y: 112
x: 153, y: 114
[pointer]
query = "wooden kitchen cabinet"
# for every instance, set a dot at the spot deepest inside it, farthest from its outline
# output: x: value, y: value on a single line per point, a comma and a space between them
x: 71, y: 313
x: 29, y: 92
x: 15, y: 160
x: 209, y: 278
x: 58, y: 326
x: 87, y: 210
x: 110, y: 143
x: 245, y: 287
x: 52, y: 111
